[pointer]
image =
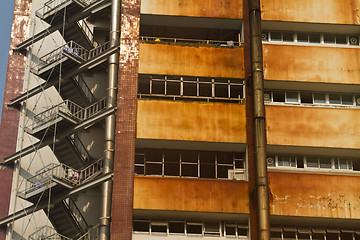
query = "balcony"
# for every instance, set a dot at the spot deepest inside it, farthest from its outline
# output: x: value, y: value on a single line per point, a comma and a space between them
x: 191, y: 121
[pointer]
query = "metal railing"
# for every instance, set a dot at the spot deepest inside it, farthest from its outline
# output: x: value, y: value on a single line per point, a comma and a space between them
x: 67, y: 174
x: 56, y: 236
x: 80, y: 148
x: 94, y: 108
x: 69, y: 108
x: 92, y: 234
x: 86, y: 30
x: 91, y: 171
x: 53, y: 5
x: 99, y: 49
x: 76, y: 213
x: 190, y: 88
x: 43, y: 233
x: 50, y: 6
x: 84, y: 87
x: 216, y: 43
x: 71, y: 47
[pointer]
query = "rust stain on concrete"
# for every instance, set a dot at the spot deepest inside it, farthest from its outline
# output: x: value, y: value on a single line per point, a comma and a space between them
x: 191, y: 121
x: 202, y: 195
x: 196, y: 8
x: 316, y: 64
x: 332, y: 11
x: 191, y: 61
x: 314, y: 195
x: 314, y: 127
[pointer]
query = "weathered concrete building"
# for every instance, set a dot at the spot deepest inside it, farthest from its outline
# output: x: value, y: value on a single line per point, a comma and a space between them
x: 173, y: 153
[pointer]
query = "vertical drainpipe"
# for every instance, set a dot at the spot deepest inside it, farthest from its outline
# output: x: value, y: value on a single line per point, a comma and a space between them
x: 110, y: 121
x: 261, y: 178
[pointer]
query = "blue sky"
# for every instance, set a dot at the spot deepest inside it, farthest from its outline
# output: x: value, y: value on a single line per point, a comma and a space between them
x: 6, y: 15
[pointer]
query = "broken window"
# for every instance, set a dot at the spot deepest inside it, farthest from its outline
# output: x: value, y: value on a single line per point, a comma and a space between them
x: 190, y: 88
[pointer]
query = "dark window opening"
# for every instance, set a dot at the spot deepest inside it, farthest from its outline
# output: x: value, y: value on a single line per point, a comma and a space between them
x: 341, y: 39
x: 194, y: 228
x: 302, y: 37
x: 140, y: 226
x: 278, y: 96
x: 176, y: 227
x: 306, y: 97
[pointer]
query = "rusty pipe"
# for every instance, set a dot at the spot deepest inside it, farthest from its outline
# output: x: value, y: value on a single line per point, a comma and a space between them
x: 110, y: 122
x: 261, y: 178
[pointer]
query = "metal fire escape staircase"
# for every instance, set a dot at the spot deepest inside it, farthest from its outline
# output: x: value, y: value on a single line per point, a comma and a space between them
x: 52, y: 188
x: 65, y: 215
x: 68, y: 150
x: 73, y: 11
x: 71, y: 59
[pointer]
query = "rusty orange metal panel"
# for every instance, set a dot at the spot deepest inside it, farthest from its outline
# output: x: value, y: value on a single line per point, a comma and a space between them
x: 314, y: 195
x: 158, y: 193
x: 191, y: 121
x: 321, y: 11
x: 312, y: 64
x: 191, y: 61
x: 195, y: 8
x: 315, y: 127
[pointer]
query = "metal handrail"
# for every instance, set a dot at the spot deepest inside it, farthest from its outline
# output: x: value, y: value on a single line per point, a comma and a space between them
x: 49, y: 6
x: 84, y: 87
x: 92, y: 170
x: 95, y: 108
x: 98, y: 50
x: 92, y: 234
x: 53, y: 4
x: 56, y: 236
x: 80, y: 148
x: 71, y: 47
x: 76, y: 213
x: 70, y: 108
x: 86, y: 29
x: 199, y: 41
x: 65, y: 173
x: 42, y: 233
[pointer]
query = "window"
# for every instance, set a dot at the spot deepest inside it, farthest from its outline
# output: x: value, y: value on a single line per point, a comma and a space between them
x: 311, y: 38
x: 186, y: 163
x: 194, y: 228
x: 310, y: 162
x: 159, y: 227
x: 191, y: 88
x: 235, y: 230
x: 212, y: 229
x: 230, y: 230
x: 319, y: 98
x: 306, y: 98
x: 274, y: 160
x: 141, y: 226
x: 177, y: 227
x: 291, y: 97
